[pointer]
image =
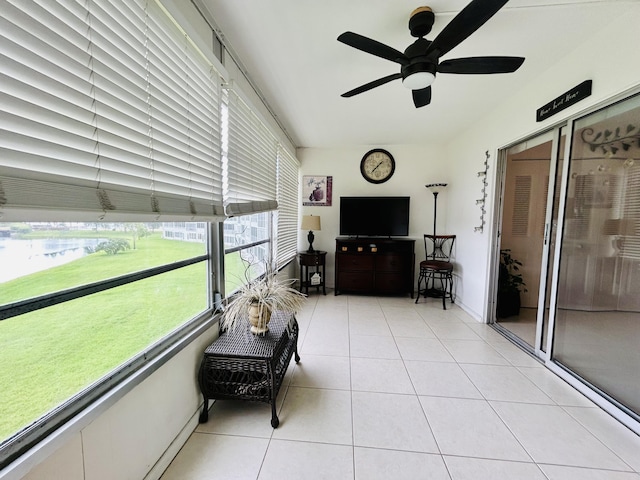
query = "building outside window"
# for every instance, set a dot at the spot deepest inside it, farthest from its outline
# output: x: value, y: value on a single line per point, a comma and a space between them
x: 247, y: 246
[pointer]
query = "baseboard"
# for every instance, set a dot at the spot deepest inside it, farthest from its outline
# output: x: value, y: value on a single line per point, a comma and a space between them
x: 172, y: 450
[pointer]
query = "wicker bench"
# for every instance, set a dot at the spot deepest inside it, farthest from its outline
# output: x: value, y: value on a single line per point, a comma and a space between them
x: 243, y: 366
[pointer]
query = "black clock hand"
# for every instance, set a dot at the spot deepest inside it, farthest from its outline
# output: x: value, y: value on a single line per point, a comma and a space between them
x: 376, y: 167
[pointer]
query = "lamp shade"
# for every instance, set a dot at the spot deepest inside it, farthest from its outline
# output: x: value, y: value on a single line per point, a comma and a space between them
x: 310, y: 222
x: 436, y: 187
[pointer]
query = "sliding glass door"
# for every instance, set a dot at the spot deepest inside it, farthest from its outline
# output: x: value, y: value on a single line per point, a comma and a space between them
x: 525, y: 236
x: 569, y: 240
x: 596, y: 333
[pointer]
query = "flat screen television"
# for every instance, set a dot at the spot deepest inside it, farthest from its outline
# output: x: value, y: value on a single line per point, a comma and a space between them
x: 374, y: 216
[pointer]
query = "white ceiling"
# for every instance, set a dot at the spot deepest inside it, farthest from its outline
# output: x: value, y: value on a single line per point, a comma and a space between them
x: 290, y: 51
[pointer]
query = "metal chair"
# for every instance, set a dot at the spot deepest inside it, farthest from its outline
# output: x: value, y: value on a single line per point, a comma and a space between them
x: 437, y: 269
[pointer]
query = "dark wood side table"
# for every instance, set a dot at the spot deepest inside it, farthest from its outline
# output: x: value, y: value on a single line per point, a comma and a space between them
x: 312, y: 259
x: 243, y: 366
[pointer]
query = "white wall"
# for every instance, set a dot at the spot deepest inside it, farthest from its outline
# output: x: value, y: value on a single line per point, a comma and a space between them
x: 416, y: 166
x: 607, y: 59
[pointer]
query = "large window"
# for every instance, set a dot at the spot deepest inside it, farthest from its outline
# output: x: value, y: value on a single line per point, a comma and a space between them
x: 78, y: 300
x: 247, y: 248
x: 121, y: 150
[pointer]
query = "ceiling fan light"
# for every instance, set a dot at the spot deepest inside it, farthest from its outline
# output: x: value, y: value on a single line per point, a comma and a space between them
x: 418, y: 80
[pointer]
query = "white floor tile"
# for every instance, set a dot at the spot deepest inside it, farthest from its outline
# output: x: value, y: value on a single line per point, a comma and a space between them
x: 287, y: 460
x: 236, y: 417
x: 617, y: 437
x: 321, y: 371
x: 390, y: 389
x: 471, y: 428
x: 425, y: 349
x: 432, y: 313
x: 209, y: 457
x: 551, y: 435
x: 557, y: 472
x: 391, y: 421
x: 465, y: 468
x: 456, y: 330
x: 401, y: 312
x: 497, y: 382
x: 367, y: 346
x: 316, y: 415
x: 471, y: 351
x: 380, y: 375
x: 402, y: 302
x: 330, y: 315
x: 557, y: 389
x: 409, y: 327
x: 377, y: 464
x: 366, y: 325
x: 327, y: 341
x: 440, y: 379
x: 488, y: 334
x: 465, y: 317
x: 515, y: 356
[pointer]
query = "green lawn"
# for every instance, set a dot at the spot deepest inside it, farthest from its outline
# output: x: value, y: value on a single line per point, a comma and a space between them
x: 49, y: 355
x: 150, y: 252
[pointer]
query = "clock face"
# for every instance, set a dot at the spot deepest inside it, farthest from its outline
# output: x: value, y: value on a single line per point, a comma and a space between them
x: 377, y: 166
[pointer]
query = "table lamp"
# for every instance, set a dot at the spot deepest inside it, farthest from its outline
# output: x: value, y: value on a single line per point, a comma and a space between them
x: 311, y: 223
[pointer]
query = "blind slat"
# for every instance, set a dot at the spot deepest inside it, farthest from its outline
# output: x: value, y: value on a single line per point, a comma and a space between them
x: 252, y: 161
x: 287, y: 216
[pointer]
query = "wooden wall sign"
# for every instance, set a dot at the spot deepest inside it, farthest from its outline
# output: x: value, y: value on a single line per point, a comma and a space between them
x: 577, y: 93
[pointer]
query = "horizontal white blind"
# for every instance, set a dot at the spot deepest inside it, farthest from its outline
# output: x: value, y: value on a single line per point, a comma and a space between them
x: 287, y: 217
x: 108, y: 111
x: 252, y: 162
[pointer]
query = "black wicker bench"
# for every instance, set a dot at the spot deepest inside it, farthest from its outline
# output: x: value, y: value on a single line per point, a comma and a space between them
x: 243, y: 366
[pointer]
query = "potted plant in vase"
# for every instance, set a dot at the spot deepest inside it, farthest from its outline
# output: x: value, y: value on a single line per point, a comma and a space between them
x: 510, y: 284
x: 256, y: 299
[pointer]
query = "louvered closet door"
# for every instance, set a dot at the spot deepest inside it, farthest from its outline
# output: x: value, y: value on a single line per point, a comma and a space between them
x: 525, y: 202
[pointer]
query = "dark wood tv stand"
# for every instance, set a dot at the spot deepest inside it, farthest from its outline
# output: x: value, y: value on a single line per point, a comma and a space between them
x: 374, y: 265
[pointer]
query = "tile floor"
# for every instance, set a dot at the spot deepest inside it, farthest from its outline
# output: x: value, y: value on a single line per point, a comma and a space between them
x: 387, y: 389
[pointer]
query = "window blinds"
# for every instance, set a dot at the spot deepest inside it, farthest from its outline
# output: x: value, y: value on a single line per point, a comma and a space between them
x: 108, y: 112
x: 251, y: 162
x: 287, y: 216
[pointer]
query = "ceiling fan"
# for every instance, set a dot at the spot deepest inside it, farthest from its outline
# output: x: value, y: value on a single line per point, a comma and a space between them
x: 421, y: 60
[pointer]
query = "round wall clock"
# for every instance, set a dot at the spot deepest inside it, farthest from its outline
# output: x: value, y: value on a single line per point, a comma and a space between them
x: 377, y: 166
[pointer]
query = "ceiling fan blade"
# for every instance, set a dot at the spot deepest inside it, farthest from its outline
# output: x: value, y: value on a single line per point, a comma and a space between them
x: 481, y: 65
x: 373, y: 47
x: 370, y: 85
x: 470, y: 18
x: 422, y: 97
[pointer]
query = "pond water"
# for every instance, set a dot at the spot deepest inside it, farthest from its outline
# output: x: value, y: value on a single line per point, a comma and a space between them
x: 22, y: 257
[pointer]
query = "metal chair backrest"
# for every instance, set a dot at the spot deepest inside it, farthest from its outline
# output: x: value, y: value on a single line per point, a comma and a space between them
x: 439, y: 247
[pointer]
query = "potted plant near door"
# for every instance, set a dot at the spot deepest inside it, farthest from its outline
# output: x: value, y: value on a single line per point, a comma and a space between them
x: 510, y: 284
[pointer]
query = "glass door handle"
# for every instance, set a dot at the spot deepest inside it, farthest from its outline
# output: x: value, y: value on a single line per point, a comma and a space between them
x: 546, y: 233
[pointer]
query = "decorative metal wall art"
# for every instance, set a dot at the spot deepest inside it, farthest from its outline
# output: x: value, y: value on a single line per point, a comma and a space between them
x: 610, y: 141
x: 481, y: 201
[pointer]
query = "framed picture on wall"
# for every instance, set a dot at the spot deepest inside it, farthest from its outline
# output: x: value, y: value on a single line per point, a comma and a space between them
x: 317, y: 190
